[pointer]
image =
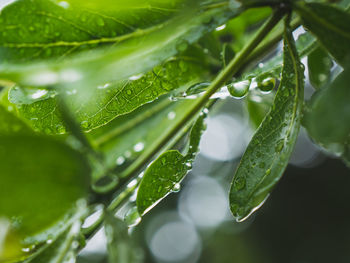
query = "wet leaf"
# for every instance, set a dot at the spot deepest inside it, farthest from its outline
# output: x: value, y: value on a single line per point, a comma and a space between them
x: 137, y: 38
x: 42, y: 191
x: 331, y: 25
x: 110, y: 100
x: 327, y: 116
x: 121, y: 247
x: 267, y: 154
x: 165, y: 174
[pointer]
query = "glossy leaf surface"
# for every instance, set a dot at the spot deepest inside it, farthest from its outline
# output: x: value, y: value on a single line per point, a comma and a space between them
x: 138, y: 32
x: 319, y: 65
x: 267, y: 154
x: 165, y: 174
x: 327, y: 117
x: 331, y: 25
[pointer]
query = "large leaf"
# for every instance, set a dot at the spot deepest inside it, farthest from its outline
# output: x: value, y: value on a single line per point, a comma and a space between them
x: 331, y: 25
x: 138, y: 32
x: 165, y: 174
x: 327, y: 117
x: 121, y: 247
x: 41, y: 181
x: 267, y: 154
x: 110, y: 100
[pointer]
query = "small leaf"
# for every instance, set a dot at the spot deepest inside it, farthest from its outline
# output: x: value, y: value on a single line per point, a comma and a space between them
x: 331, y: 25
x: 319, y: 66
x: 41, y: 181
x: 121, y: 247
x: 267, y: 154
x: 327, y: 116
x: 166, y: 173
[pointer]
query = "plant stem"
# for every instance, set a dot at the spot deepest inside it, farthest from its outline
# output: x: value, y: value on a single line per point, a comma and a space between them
x: 200, y: 103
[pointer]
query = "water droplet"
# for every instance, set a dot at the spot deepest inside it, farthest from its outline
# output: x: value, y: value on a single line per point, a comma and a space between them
x: 39, y: 93
x: 176, y: 188
x: 139, y: 147
x: 267, y: 85
x: 64, y: 4
x: 188, y: 164
x: 49, y: 241
x: 120, y: 160
x: 136, y: 77
x: 171, y: 115
x: 239, y: 89
x: 132, y: 217
x: 220, y: 28
x: 197, y: 88
x: 127, y: 154
x: 261, y: 65
x: 239, y: 183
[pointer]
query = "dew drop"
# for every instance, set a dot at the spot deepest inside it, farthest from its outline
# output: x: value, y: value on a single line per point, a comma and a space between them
x: 171, y: 115
x: 267, y: 85
x: 239, y: 89
x: 120, y: 160
x: 132, y: 217
x: 220, y: 28
x: 139, y: 147
x: 176, y: 188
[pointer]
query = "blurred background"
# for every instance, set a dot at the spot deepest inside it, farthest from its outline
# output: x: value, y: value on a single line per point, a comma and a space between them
x: 305, y: 220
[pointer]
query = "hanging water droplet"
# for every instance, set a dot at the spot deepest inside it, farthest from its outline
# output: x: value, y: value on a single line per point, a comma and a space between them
x: 239, y: 89
x: 176, y: 188
x: 267, y: 85
x: 132, y: 217
x: 188, y: 164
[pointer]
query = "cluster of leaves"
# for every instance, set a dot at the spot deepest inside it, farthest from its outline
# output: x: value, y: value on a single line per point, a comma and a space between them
x: 86, y: 118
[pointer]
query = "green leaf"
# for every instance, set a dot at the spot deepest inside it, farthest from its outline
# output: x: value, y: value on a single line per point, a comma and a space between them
x: 327, y: 116
x: 136, y: 32
x: 267, y: 154
x: 165, y: 174
x: 41, y: 181
x: 331, y: 25
x: 319, y: 66
x: 121, y: 247
x: 113, y: 99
